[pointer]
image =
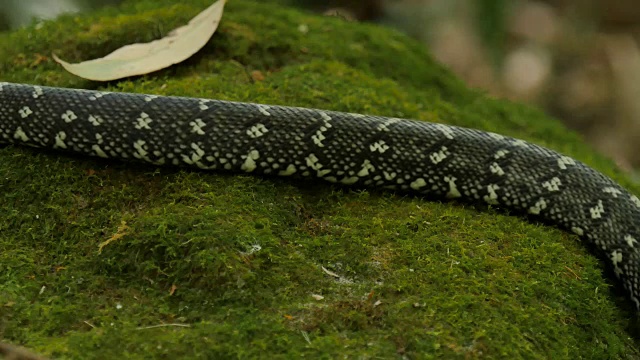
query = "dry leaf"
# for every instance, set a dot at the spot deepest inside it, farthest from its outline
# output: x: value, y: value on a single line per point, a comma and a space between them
x: 122, y: 231
x: 139, y: 59
x: 257, y: 75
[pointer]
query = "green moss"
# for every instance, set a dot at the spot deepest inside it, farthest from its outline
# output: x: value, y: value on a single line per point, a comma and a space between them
x: 238, y: 258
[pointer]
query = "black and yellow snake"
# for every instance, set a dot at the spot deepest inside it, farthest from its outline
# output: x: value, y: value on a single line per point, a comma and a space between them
x: 432, y: 160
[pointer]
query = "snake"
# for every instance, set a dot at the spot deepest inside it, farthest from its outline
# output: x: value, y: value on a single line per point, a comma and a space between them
x: 430, y: 160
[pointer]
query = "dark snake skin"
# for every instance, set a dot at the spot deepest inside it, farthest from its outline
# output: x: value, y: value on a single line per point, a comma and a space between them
x: 434, y: 160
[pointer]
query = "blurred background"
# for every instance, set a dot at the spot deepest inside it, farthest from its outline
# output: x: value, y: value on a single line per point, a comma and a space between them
x: 578, y: 60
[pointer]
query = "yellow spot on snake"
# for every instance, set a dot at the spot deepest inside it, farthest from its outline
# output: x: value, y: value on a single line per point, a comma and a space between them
x: 20, y: 134
x: 250, y: 162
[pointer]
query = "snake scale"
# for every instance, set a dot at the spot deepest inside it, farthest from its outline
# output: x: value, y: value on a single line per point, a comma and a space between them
x: 432, y: 160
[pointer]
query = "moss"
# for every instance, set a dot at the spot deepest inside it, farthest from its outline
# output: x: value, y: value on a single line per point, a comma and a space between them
x: 241, y: 259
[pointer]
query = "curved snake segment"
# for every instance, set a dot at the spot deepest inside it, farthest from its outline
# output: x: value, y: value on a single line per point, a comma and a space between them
x: 433, y: 160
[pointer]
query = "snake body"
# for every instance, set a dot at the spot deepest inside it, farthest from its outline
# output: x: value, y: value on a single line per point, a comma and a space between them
x: 427, y: 159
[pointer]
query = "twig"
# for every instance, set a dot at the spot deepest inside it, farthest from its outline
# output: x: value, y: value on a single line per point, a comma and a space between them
x: 162, y: 325
x: 90, y: 324
x: 574, y: 274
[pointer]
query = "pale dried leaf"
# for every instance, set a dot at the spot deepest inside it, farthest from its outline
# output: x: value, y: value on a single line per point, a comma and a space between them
x: 139, y: 59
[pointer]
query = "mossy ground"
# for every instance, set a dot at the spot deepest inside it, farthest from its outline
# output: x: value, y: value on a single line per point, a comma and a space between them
x: 238, y: 258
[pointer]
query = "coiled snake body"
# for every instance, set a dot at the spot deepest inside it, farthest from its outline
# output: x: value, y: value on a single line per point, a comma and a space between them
x: 428, y: 159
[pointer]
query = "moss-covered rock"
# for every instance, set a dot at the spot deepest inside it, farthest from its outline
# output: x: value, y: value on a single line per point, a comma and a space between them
x: 221, y: 266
